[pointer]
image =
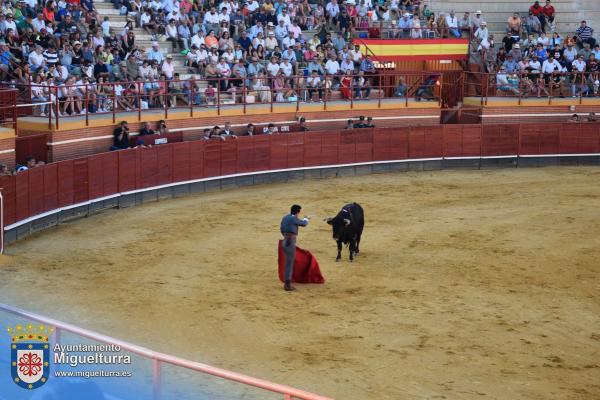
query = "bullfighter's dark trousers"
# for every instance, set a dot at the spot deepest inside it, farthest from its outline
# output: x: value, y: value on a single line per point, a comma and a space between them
x: 289, y: 249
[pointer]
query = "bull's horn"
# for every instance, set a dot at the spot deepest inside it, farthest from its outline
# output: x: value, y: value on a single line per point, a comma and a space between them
x: 346, y: 221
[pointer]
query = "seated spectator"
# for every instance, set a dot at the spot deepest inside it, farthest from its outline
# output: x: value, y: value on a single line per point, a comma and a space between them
x: 302, y: 122
x: 4, y: 171
x: 584, y: 35
x: 362, y: 86
x: 514, y: 25
x: 161, y: 127
x: 574, y: 118
x: 401, y: 88
x: 145, y: 130
x: 314, y: 83
x: 227, y: 131
x: 30, y: 162
x: 532, y: 24
x: 250, y: 130
x: 349, y: 124
x: 502, y: 82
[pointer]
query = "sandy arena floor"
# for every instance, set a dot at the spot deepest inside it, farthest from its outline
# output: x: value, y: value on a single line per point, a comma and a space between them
x: 470, y: 285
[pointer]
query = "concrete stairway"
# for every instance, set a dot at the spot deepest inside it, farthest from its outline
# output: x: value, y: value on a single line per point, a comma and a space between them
x: 568, y: 12
x: 143, y: 39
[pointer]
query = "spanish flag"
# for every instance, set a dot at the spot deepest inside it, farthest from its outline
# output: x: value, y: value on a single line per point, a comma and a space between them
x: 414, y: 49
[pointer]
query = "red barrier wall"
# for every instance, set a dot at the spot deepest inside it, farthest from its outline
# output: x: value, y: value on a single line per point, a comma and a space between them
x: 70, y: 182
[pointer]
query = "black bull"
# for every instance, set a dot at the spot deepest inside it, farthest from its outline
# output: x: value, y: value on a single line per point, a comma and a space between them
x: 347, y: 228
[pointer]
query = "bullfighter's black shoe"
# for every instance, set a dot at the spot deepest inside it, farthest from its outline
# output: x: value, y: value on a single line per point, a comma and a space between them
x: 288, y: 286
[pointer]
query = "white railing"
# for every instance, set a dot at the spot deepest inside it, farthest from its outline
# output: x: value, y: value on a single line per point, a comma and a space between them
x: 289, y: 393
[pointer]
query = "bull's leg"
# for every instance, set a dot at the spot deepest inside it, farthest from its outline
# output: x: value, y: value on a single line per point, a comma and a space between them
x: 339, y: 254
x: 357, y: 244
x: 352, y: 247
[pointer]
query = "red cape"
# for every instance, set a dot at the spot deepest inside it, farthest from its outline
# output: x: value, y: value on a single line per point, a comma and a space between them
x: 306, y: 267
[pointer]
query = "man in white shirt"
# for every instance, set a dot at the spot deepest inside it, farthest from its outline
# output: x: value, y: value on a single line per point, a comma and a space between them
x: 314, y: 83
x: 284, y: 16
x: 286, y: 68
x: 224, y: 15
x: 347, y: 66
x: 578, y: 79
x: 281, y: 31
x: 198, y: 39
x: 452, y: 22
x: 273, y: 67
x: 333, y: 9
x: 253, y: 6
x: 211, y: 20
x: 225, y: 72
x: 356, y: 56
x: 332, y: 66
x: 38, y: 22
x: 168, y: 68
x: 36, y: 59
x: 551, y: 65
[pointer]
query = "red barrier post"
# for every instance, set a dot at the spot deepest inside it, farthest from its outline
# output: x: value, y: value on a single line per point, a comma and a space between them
x: 219, y: 96
x: 56, y: 115
x: 191, y: 98
x: 87, y: 116
x: 114, y: 105
x: 244, y: 94
x: 139, y: 99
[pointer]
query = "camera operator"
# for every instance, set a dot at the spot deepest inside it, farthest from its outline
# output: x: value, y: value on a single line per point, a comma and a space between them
x: 121, y: 137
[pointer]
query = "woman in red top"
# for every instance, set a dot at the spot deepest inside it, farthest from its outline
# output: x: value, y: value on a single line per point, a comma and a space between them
x: 48, y: 12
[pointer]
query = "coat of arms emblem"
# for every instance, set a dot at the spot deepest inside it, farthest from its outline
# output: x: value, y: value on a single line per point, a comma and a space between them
x: 30, y: 355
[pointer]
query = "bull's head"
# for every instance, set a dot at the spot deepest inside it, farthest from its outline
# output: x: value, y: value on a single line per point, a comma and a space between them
x: 338, y: 224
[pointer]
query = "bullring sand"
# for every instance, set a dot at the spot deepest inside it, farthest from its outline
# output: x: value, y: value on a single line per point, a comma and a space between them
x: 470, y: 284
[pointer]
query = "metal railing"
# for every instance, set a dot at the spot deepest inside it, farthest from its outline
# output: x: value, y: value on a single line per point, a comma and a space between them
x: 158, y: 359
x: 532, y: 84
x: 134, y: 98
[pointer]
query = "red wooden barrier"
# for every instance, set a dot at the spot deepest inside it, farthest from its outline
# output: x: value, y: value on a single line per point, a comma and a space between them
x: 197, y: 155
x: 8, y: 186
x: 398, y: 149
x: 110, y: 176
x: 165, y: 164
x: 261, y: 153
x: 364, y: 145
x: 212, y: 158
x: 181, y: 161
x: 228, y: 156
x: 462, y: 140
x: 587, y: 138
x: 500, y: 140
x: 71, y: 182
x: 295, y: 150
x: 279, y: 151
x: 65, y: 190
x: 330, y: 143
x: 50, y: 187
x: 127, y: 170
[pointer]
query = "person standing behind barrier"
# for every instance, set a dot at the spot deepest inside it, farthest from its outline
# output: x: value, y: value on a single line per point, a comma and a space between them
x: 121, y: 137
x: 289, y: 230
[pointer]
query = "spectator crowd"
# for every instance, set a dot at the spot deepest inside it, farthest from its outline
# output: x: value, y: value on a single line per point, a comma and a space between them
x: 68, y: 53
x: 534, y: 59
